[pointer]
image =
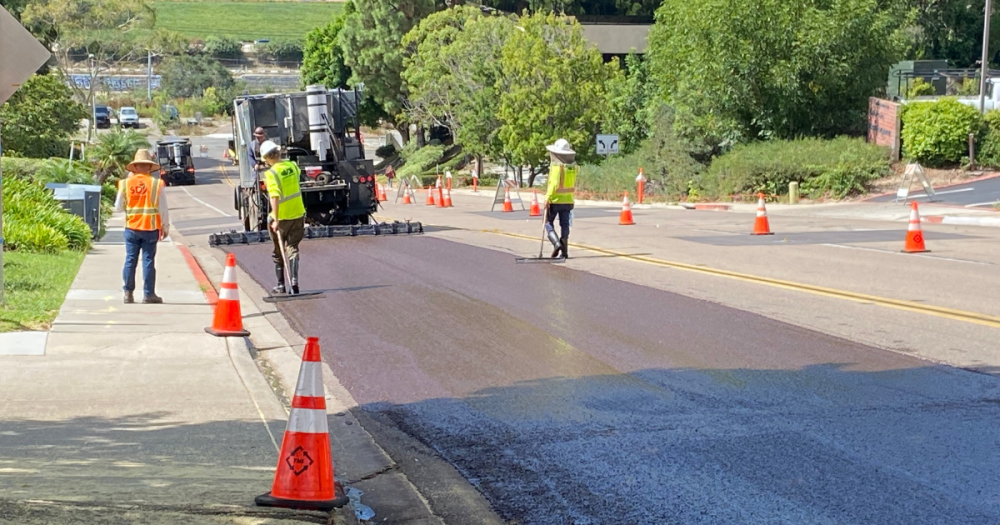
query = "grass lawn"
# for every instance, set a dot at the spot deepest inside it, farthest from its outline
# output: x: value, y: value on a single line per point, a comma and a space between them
x: 245, y: 21
x: 35, y: 285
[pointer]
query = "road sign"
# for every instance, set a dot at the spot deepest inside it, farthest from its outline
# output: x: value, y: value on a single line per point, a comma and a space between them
x: 20, y: 55
x: 607, y: 144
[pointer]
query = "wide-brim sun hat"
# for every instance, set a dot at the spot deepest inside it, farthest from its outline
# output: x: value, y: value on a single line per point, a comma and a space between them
x: 561, y: 147
x: 142, y: 158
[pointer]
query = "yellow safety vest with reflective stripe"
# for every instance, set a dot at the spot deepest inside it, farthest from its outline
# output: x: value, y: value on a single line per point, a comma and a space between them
x: 142, y: 199
x: 562, y: 184
x: 282, y: 181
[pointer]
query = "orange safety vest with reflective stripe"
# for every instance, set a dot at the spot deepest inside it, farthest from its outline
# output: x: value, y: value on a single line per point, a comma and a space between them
x: 142, y: 198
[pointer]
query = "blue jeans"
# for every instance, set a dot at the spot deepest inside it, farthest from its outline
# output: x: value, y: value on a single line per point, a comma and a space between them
x: 145, y: 241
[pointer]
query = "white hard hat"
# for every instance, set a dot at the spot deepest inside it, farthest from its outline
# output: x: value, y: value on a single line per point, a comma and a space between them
x: 267, y: 147
x: 561, y: 147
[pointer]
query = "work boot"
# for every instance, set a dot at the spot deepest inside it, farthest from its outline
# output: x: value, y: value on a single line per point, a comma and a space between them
x: 280, y: 274
x: 152, y: 299
x: 129, y: 298
x: 565, y: 248
x: 555, y: 253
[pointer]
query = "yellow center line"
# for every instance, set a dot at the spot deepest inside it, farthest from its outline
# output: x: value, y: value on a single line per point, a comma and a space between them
x: 226, y: 175
x: 909, y: 306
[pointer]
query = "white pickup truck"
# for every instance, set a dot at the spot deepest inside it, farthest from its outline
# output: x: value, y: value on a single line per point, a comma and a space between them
x: 128, y: 117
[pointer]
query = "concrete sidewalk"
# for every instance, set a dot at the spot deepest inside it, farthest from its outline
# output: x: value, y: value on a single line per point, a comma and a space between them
x: 134, y: 414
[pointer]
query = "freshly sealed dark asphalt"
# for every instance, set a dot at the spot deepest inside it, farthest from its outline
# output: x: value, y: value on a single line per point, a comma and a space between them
x: 568, y: 398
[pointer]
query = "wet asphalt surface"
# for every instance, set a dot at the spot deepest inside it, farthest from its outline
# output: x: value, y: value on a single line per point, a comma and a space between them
x: 569, y: 398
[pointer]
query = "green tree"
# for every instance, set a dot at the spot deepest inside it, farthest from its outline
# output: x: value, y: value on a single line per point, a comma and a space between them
x: 113, y: 152
x: 740, y: 70
x: 452, y: 70
x: 323, y: 58
x: 187, y: 76
x: 578, y: 7
x: 280, y: 50
x: 40, y: 117
x: 372, y: 43
x: 223, y: 47
x: 554, y: 87
x: 628, y: 107
x: 951, y: 30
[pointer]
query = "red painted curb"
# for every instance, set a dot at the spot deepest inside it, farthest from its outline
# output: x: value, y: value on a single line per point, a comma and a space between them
x: 933, y: 219
x: 199, y: 275
x: 713, y: 207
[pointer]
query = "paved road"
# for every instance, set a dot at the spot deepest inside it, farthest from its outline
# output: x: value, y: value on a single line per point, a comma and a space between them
x: 566, y: 397
x: 571, y: 398
x: 981, y: 194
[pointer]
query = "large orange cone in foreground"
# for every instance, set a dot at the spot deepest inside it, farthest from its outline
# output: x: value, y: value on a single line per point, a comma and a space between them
x: 760, y: 225
x: 626, y: 216
x: 304, y: 478
x: 228, y: 321
x: 535, y: 210
x: 406, y: 197
x: 914, y: 235
x: 430, y: 196
x: 507, y: 205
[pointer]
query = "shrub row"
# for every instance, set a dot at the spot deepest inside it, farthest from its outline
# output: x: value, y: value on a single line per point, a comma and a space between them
x: 33, y: 221
x: 936, y: 133
x: 840, y: 167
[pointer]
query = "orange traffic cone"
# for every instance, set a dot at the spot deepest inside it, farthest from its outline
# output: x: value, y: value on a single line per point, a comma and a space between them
x: 914, y: 235
x: 406, y: 197
x: 430, y: 196
x: 440, y: 194
x: 626, y: 217
x: 535, y: 210
x: 447, y: 198
x: 507, y: 205
x: 304, y: 477
x: 761, y: 226
x: 228, y: 321
x: 381, y: 194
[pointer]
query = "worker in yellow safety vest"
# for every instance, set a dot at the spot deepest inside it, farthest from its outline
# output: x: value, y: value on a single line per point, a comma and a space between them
x: 147, y: 222
x: 559, y: 194
x: 288, y: 213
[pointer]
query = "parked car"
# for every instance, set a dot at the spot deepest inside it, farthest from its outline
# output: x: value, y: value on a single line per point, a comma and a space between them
x: 128, y: 117
x: 102, y: 116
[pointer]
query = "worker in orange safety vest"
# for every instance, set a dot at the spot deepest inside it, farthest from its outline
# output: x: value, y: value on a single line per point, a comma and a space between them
x: 147, y: 222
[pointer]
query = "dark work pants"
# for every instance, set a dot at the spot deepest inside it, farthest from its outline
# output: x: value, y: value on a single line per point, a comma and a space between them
x: 562, y: 211
x: 292, y: 232
x: 144, y: 241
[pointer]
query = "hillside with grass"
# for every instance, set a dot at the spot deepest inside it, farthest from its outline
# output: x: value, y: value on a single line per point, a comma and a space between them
x: 244, y: 20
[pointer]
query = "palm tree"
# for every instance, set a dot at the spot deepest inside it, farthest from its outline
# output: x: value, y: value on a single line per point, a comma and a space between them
x: 114, y: 151
x: 64, y: 171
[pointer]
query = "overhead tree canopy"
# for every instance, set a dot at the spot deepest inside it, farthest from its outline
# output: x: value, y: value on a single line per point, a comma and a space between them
x: 188, y: 76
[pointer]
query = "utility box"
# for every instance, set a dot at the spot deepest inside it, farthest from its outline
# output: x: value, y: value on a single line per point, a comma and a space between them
x: 82, y: 200
x: 902, y: 75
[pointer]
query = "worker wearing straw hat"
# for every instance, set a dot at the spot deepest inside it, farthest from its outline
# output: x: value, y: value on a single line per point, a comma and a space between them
x: 559, y: 193
x: 147, y: 222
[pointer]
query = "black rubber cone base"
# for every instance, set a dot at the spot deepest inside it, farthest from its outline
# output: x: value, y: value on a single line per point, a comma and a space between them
x: 339, y: 500
x: 220, y: 333
x: 282, y: 297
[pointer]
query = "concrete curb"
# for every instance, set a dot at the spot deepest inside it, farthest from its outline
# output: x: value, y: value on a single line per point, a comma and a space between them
x: 963, y: 221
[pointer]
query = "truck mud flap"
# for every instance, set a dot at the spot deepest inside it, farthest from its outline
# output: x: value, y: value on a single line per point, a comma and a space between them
x: 319, y: 232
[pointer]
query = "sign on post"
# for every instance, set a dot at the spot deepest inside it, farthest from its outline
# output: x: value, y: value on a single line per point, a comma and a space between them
x: 607, y: 144
x: 20, y: 56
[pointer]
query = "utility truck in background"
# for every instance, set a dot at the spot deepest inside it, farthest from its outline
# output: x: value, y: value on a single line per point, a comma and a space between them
x: 318, y: 130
